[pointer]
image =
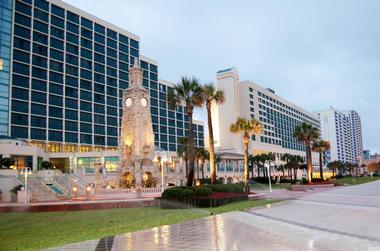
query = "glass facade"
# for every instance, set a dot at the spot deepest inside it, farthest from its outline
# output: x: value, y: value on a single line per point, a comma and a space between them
x: 69, y: 72
x: 6, y: 7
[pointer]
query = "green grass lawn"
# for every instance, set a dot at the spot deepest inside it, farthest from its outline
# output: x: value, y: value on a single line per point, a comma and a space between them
x: 31, y: 231
x: 356, y: 180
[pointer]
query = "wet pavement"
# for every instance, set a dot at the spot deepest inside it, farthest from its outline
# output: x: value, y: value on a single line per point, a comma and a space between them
x: 340, y: 219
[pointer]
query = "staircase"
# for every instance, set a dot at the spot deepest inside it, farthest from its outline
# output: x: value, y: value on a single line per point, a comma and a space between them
x: 37, y: 189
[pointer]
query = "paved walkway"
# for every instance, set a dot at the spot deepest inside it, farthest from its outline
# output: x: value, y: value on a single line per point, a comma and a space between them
x: 342, y: 219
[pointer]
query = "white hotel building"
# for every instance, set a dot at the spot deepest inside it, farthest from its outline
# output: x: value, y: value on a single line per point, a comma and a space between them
x: 343, y: 130
x: 249, y: 100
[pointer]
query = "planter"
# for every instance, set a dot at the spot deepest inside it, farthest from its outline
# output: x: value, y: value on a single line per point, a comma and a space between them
x: 214, y: 200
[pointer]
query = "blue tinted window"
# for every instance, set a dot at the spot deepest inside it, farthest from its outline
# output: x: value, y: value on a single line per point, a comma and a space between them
x: 99, y: 48
x: 19, y: 106
x: 56, y: 55
x: 72, y: 27
x: 72, y: 49
x: 111, y: 52
x: 23, y: 20
x: 111, y: 43
x: 134, y: 43
x: 21, y: 43
x: 86, y: 33
x: 100, y: 38
x: 99, y: 88
x: 56, y: 43
x: 71, y: 114
x: 111, y: 34
x: 38, y: 121
x: 23, y: 8
x: 41, y: 38
x: 84, y: 127
x: 86, y: 23
x: 111, y: 111
x: 71, y: 81
x: 123, y: 57
x: 55, y: 135
x: 112, y: 131
x: 72, y: 17
x: 111, y: 101
x: 85, y: 138
x: 71, y: 92
x: 39, y: 61
x: 99, y: 129
x: 55, y: 112
x: 111, y: 141
x: 86, y: 53
x: 43, y: 4
x: 21, y: 56
x: 86, y: 95
x: 39, y: 134
x: 60, y: 23
x: 99, y: 28
x: 86, y: 106
x: 39, y: 49
x: 21, y: 68
x: 19, y: 132
x: 86, y: 74
x: 55, y: 100
x: 153, y: 68
x: 134, y: 52
x: 99, y: 68
x: 38, y: 97
x: 57, y: 11
x: 99, y: 140
x: 19, y: 119
x: 99, y: 108
x: 40, y: 26
x: 111, y: 121
x: 71, y: 137
x: 86, y: 84
x: 56, y: 66
x: 57, y: 32
x: 99, y: 58
x: 56, y: 89
x: 72, y: 38
x: 39, y: 109
x: 99, y: 119
x: 71, y: 126
x: 72, y: 70
x: 22, y: 32
x: 71, y: 103
x: 86, y: 43
x: 41, y: 15
x: 123, y: 39
x: 86, y: 63
x: 56, y: 77
x: 71, y: 59
x: 55, y: 124
x: 85, y: 116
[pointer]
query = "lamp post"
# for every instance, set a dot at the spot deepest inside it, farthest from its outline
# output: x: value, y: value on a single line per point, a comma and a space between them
x: 26, y: 171
x: 269, y: 180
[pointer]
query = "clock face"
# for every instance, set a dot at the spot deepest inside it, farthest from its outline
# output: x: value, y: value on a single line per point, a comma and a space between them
x: 128, y: 102
x: 144, y: 102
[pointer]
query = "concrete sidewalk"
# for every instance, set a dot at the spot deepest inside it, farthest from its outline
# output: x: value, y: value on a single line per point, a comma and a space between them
x: 341, y: 219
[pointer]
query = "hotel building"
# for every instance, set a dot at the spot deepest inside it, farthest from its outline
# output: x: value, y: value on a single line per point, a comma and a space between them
x: 61, y: 80
x: 343, y: 130
x: 249, y: 100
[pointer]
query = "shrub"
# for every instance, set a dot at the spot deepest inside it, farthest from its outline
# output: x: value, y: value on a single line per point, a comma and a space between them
x: 237, y: 188
x: 316, y: 180
x: 202, y: 191
x: 285, y: 181
x: 263, y: 180
x: 177, y: 193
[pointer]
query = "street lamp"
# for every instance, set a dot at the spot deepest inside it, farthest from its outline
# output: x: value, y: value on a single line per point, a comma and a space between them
x: 269, y: 180
x: 26, y: 171
x: 161, y: 159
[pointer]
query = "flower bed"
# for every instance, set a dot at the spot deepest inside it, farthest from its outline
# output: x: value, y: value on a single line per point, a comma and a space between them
x: 204, y: 196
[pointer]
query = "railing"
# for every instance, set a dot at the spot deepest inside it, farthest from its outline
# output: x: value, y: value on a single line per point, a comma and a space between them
x: 128, y: 192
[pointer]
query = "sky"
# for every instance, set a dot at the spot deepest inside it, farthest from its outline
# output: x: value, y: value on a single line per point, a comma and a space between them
x: 315, y: 53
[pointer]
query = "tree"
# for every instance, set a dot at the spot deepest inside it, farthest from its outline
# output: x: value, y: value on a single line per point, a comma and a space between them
x: 281, y: 168
x: 188, y: 93
x: 335, y: 165
x: 46, y: 165
x: 182, y: 153
x: 7, y: 162
x: 203, y: 156
x: 321, y: 146
x: 307, y: 134
x: 246, y: 127
x: 211, y: 95
x: 292, y: 163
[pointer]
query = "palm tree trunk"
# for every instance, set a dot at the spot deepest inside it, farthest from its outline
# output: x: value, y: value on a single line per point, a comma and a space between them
x: 295, y: 173
x: 211, y: 144
x: 309, y: 161
x: 258, y: 170
x: 190, y: 140
x: 203, y: 170
x: 246, y: 173
x: 321, y: 165
x: 198, y: 169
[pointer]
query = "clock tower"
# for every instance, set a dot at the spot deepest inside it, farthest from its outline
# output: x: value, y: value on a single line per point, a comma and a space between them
x: 136, y: 138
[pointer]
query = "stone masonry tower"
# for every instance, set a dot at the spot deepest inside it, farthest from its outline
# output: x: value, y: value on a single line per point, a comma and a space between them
x: 136, y: 138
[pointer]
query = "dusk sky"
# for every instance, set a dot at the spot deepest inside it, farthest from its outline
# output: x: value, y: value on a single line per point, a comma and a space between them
x: 316, y: 54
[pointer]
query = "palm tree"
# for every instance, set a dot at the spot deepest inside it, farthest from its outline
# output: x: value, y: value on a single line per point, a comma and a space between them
x: 203, y: 156
x: 182, y: 153
x: 246, y: 127
x: 292, y: 163
x: 307, y: 134
x: 321, y: 146
x: 7, y: 162
x: 211, y: 95
x: 188, y: 93
x: 334, y: 165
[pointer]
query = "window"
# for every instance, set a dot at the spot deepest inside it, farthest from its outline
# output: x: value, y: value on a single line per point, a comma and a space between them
x: 57, y: 11
x: 39, y: 134
x: 23, y: 20
x: 40, y: 26
x: 56, y: 43
x: 86, y: 23
x: 71, y: 137
x: 21, y: 44
x: 38, y: 121
x: 59, y: 33
x: 21, y: 68
x: 20, y: 93
x: 19, y: 106
x: 23, y: 8
x: 72, y: 17
x: 19, y: 119
x: 72, y: 38
x: 55, y: 135
x: 134, y: 43
x: 71, y: 114
x: 39, y: 109
x: 55, y: 112
x: 19, y: 132
x: 86, y: 33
